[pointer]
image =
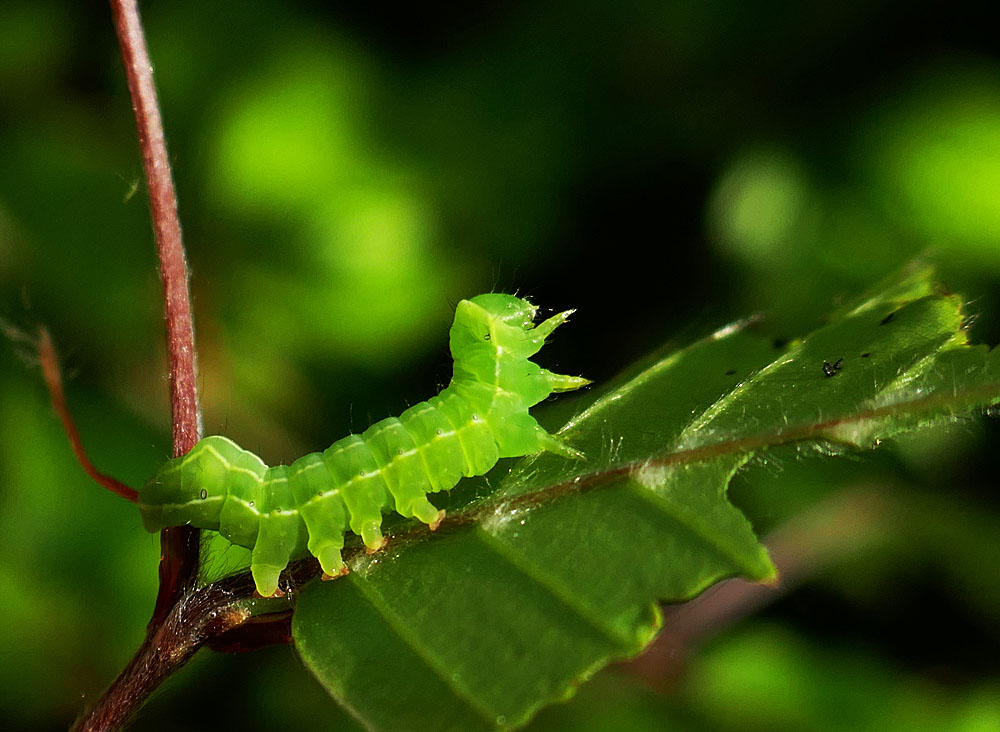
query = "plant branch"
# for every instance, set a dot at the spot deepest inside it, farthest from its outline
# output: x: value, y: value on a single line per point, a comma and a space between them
x: 172, y: 636
x: 166, y: 226
x: 201, y: 614
x: 179, y: 546
x: 53, y: 380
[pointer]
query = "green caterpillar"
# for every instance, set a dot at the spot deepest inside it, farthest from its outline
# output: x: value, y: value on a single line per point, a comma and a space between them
x: 479, y: 418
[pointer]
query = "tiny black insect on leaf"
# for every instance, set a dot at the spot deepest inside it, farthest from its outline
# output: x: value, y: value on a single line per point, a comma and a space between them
x: 832, y: 369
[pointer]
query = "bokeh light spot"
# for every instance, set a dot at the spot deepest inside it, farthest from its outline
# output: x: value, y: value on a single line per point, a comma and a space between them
x: 757, y: 203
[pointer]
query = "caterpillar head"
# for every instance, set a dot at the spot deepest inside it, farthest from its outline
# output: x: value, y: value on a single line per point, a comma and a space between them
x: 506, y: 309
x: 492, y: 340
x: 490, y: 324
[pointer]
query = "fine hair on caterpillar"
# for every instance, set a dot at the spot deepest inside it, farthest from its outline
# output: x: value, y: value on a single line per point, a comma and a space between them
x: 282, y: 511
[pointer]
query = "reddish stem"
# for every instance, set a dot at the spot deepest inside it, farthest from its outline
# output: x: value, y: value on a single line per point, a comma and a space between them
x: 53, y: 380
x: 204, y: 613
x: 179, y: 546
x: 167, y: 644
x: 166, y: 225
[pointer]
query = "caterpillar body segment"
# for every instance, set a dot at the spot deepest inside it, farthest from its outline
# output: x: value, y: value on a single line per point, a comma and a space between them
x: 282, y: 511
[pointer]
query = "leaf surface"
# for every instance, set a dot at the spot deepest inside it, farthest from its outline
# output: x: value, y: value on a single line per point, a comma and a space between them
x: 554, y: 569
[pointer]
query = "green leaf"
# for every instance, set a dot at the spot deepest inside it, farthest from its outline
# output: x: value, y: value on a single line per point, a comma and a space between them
x: 534, y: 584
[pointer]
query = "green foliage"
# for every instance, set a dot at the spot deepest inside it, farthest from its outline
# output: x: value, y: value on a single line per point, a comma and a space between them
x: 556, y: 570
x: 662, y: 167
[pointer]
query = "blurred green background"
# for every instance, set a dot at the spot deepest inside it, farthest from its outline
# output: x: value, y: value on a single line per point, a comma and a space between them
x: 346, y: 173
